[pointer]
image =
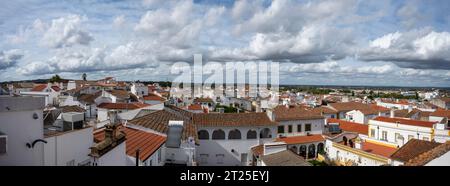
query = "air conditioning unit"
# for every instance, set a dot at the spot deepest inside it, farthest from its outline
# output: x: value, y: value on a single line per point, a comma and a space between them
x: 3, y: 143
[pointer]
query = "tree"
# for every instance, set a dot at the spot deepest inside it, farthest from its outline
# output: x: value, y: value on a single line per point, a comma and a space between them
x: 84, y: 76
x: 55, y: 78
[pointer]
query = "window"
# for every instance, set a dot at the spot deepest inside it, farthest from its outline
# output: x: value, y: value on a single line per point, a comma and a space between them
x: 219, y: 158
x: 397, y: 135
x: 150, y: 163
x: 234, y: 134
x: 203, y: 135
x: 251, y: 134
x: 281, y: 129
x: 372, y: 133
x: 290, y: 128
x: 410, y: 137
x: 426, y: 139
x: 384, y: 135
x: 332, y: 116
x: 299, y: 128
x: 307, y: 127
x: 218, y: 134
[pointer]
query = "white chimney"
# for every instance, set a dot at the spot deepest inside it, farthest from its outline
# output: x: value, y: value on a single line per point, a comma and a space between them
x: 113, y: 119
x: 358, y: 143
x: 392, y: 113
x: 409, y: 108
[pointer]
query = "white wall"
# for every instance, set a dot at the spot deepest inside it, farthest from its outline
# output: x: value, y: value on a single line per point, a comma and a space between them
x: 73, y: 145
x: 403, y: 130
x: 317, y: 126
x: 115, y: 157
x: 443, y: 160
x: 102, y: 114
x: 341, y: 155
x: 21, y: 128
x: 214, y: 149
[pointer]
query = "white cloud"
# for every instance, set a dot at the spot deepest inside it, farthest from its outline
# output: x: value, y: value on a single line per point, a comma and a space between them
x: 385, y: 41
x: 421, y: 48
x: 66, y: 32
x: 119, y: 21
x: 9, y: 58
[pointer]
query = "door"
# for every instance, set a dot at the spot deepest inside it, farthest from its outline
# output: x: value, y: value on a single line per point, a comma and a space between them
x: 244, y: 159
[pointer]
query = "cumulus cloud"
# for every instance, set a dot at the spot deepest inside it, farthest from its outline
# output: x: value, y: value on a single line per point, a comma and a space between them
x: 312, y: 43
x: 421, y: 48
x: 128, y: 56
x: 65, y: 32
x: 119, y: 21
x: 10, y: 58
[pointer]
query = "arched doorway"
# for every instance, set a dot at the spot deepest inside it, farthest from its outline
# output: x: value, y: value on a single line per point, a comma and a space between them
x: 303, y: 151
x: 344, y: 139
x: 203, y: 135
x: 294, y: 149
x: 265, y: 133
x: 218, y: 134
x: 320, y: 148
x: 251, y: 134
x: 311, y: 151
x: 234, y: 134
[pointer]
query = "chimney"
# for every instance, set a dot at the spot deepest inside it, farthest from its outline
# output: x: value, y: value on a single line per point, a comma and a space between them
x: 358, y: 143
x: 113, y: 119
x: 49, y: 85
x: 270, y: 114
x: 409, y: 108
x: 392, y: 113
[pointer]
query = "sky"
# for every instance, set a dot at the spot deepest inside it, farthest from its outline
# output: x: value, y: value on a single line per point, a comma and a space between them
x: 316, y: 42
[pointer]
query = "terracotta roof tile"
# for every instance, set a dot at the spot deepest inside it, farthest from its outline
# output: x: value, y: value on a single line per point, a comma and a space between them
x: 159, y: 121
x: 56, y: 88
x: 430, y: 155
x: 296, y: 113
x: 72, y: 108
x: 348, y: 106
x: 203, y: 100
x: 39, y: 88
x: 195, y: 107
x: 377, y: 149
x: 284, y: 158
x: 405, y: 121
x: 441, y: 113
x: 153, y: 98
x: 301, y: 139
x: 233, y: 119
x: 122, y: 94
x: 131, y: 106
x: 89, y: 98
x: 350, y: 126
x: 258, y: 150
x: 412, y: 149
x: 148, y: 143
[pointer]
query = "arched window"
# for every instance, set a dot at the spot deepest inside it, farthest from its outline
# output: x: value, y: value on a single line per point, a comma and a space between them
x: 203, y: 135
x: 218, y: 134
x: 251, y: 134
x: 265, y: 133
x: 234, y: 134
x: 320, y: 148
x: 311, y: 151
